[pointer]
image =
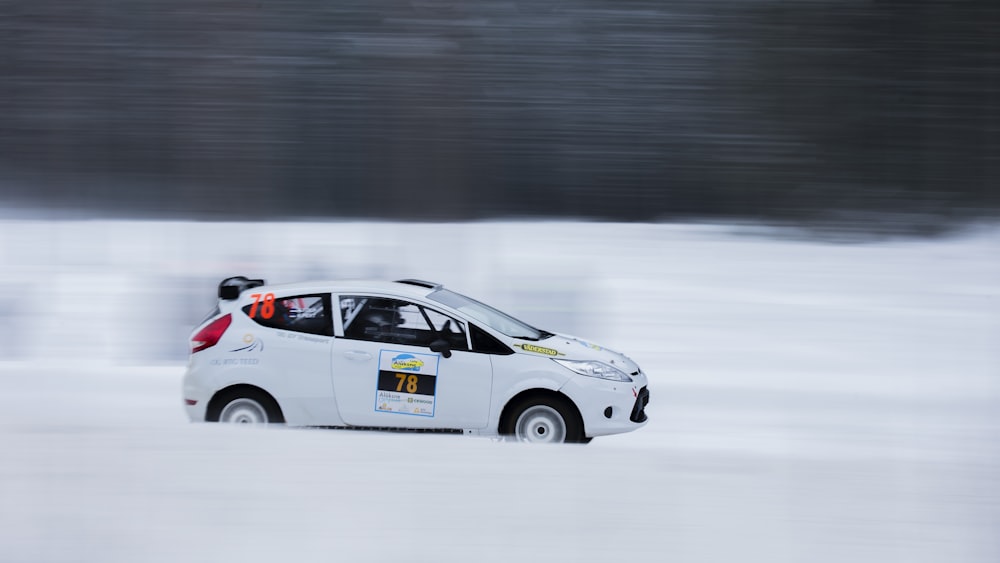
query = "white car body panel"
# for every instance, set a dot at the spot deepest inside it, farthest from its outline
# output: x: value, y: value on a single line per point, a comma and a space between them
x: 463, y: 387
x: 331, y: 380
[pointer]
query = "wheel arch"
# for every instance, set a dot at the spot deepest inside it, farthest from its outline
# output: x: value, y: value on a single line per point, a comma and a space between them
x: 538, y: 392
x: 226, y: 394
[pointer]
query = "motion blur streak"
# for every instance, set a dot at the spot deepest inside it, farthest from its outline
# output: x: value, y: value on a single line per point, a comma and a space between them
x: 438, y: 109
x: 812, y: 401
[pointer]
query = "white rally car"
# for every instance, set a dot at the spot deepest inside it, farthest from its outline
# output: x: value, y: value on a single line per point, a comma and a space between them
x: 404, y: 355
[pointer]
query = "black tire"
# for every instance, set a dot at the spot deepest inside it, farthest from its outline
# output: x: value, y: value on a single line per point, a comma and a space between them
x: 245, y: 406
x: 543, y: 419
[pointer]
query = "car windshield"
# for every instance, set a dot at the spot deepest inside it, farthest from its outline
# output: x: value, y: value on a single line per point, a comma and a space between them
x: 497, y: 320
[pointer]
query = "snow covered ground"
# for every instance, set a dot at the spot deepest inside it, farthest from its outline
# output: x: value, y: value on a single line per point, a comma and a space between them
x: 811, y: 401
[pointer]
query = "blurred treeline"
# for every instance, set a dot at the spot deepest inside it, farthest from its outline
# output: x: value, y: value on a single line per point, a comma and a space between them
x: 431, y: 109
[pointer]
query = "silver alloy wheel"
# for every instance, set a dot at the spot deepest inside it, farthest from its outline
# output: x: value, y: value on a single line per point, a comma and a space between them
x: 540, y: 423
x: 244, y: 411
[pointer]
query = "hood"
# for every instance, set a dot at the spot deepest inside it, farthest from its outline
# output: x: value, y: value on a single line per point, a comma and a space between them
x: 572, y: 348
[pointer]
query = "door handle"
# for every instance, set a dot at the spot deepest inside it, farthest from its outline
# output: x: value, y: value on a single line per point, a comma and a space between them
x: 357, y: 355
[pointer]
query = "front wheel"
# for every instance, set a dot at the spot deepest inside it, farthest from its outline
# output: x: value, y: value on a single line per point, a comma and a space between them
x: 545, y: 420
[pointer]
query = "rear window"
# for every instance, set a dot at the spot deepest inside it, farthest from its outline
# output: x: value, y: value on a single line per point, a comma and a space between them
x: 299, y: 313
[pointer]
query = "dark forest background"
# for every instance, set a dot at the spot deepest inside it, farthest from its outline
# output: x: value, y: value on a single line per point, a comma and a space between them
x: 434, y: 109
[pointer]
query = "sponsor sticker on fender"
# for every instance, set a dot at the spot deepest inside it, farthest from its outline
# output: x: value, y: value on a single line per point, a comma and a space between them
x: 539, y: 349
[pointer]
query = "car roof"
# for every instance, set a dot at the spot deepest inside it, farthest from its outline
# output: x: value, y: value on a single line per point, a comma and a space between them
x: 353, y: 286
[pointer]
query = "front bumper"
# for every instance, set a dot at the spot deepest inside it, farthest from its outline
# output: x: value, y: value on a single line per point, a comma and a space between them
x: 639, y: 410
x: 609, y: 407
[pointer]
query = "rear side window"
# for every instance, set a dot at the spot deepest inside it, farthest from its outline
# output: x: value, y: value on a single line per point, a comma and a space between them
x: 299, y: 313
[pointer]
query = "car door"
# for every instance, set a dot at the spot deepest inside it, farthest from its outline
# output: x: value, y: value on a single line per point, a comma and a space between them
x: 292, y: 346
x: 386, y: 375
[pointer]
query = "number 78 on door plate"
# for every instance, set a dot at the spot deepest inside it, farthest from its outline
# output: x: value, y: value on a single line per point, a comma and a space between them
x: 407, y: 383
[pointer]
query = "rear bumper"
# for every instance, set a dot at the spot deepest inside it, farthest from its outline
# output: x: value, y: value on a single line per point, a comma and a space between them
x: 192, y: 392
x: 196, y: 412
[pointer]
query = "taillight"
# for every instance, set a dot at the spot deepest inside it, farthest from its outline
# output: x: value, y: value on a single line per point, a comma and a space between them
x: 210, y: 335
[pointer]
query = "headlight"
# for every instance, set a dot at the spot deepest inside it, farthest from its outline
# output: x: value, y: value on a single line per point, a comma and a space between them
x: 595, y: 369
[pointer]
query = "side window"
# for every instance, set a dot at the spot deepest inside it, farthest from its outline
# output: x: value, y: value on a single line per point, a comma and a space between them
x: 448, y: 329
x: 299, y: 313
x: 484, y: 342
x: 380, y: 319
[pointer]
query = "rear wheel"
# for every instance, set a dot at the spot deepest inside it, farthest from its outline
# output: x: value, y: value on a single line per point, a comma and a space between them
x: 247, y: 406
x: 244, y: 411
x: 545, y: 420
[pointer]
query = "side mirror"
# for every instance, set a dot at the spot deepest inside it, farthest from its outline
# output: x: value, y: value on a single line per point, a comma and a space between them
x: 442, y: 347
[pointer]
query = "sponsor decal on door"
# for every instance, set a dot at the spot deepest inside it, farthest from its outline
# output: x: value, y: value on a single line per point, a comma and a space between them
x: 407, y: 383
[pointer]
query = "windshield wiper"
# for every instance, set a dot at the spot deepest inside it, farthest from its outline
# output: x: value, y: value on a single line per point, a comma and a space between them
x: 542, y: 335
x: 525, y: 338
